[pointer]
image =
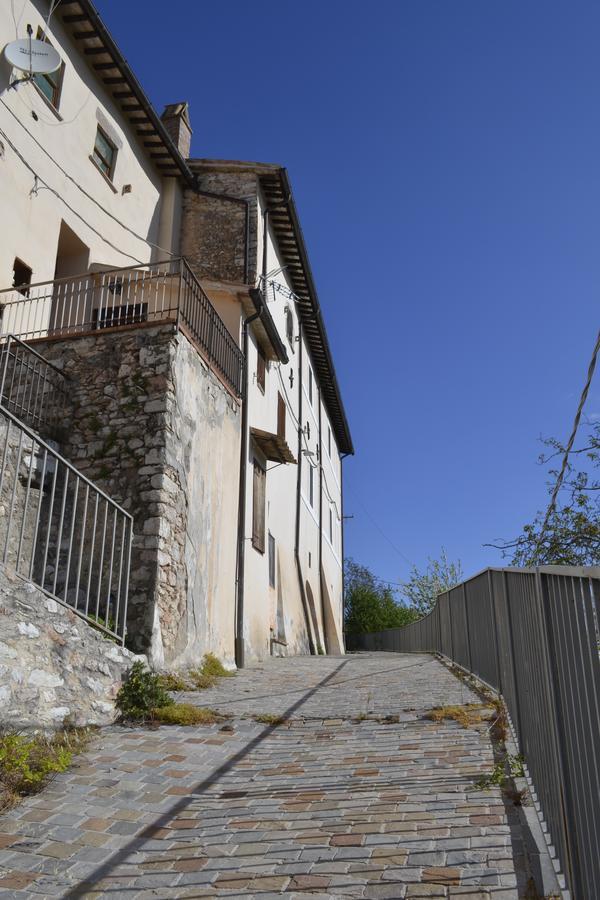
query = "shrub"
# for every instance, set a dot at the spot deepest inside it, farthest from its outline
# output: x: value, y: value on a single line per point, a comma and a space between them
x: 200, y: 680
x: 140, y: 693
x: 28, y: 761
x: 185, y: 714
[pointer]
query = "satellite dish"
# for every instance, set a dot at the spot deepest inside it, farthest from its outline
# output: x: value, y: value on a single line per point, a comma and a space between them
x: 36, y: 57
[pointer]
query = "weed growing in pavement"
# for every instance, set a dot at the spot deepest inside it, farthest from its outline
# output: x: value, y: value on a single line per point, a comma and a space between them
x: 28, y: 761
x: 269, y: 719
x: 141, y: 692
x: 467, y: 716
x: 508, y: 766
x: 185, y: 714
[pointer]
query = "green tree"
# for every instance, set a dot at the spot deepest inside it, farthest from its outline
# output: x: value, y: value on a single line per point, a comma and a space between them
x: 572, y: 535
x: 422, y: 588
x: 369, y: 604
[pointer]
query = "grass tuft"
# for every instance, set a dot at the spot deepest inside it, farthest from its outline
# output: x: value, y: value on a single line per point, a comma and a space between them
x: 29, y: 761
x: 214, y: 668
x: 171, y: 681
x: 467, y: 716
x: 185, y: 714
x: 269, y: 719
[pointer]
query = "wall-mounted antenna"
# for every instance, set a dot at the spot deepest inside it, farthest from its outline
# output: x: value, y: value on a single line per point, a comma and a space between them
x: 31, y: 56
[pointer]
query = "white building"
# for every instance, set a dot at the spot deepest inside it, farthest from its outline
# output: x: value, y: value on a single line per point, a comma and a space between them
x: 236, y: 484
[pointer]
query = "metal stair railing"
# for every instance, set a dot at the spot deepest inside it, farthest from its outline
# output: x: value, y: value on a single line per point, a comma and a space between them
x: 57, y: 528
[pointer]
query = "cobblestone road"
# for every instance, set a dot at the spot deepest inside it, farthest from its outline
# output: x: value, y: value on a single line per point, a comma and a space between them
x: 329, y: 804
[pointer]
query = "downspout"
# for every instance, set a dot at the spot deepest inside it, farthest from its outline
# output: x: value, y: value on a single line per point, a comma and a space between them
x: 311, y: 642
x: 241, y: 533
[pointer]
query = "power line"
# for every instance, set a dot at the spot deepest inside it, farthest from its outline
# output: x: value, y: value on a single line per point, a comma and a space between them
x: 380, y: 529
x: 69, y: 207
x: 563, y: 468
x: 84, y: 192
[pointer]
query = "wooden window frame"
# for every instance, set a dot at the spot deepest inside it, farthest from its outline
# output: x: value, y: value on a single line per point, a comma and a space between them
x: 259, y: 505
x: 96, y: 153
x: 54, y: 79
x: 281, y: 414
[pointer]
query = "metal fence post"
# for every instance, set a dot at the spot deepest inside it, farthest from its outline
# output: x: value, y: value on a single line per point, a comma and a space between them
x: 496, y: 636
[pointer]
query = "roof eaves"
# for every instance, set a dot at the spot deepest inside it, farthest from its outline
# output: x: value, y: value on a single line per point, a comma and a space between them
x: 102, y: 32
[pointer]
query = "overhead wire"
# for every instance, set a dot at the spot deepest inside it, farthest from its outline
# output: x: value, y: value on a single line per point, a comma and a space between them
x: 52, y: 190
x: 568, y: 448
x: 84, y: 192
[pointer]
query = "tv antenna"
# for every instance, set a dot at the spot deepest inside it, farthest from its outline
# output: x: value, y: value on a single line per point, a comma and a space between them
x: 32, y: 57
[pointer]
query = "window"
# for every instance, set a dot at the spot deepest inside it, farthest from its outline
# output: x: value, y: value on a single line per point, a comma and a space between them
x: 289, y: 325
x: 105, y: 154
x: 261, y: 368
x: 271, y: 560
x: 111, y: 316
x: 310, y: 385
x: 311, y: 484
x: 258, y: 507
x: 21, y: 276
x: 280, y: 416
x: 49, y: 83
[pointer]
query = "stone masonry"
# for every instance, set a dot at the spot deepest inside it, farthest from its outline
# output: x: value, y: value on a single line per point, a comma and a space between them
x: 54, y: 667
x: 214, y: 230
x: 355, y: 794
x: 145, y: 410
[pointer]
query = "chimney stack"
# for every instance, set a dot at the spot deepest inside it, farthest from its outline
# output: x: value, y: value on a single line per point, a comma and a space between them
x: 176, y: 119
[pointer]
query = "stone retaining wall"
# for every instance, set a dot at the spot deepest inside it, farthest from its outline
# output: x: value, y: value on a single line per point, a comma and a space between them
x: 54, y: 667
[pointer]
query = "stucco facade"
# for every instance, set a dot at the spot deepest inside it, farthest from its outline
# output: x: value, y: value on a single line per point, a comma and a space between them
x: 232, y: 472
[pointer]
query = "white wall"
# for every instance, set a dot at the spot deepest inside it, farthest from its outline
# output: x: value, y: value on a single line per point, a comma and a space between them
x: 320, y: 561
x: 31, y: 220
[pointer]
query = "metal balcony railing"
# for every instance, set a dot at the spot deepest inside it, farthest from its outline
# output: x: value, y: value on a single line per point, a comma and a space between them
x: 31, y: 387
x: 60, y: 531
x: 157, y: 292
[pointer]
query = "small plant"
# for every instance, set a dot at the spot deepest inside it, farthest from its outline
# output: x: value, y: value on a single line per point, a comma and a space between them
x: 508, y: 766
x: 28, y: 761
x: 471, y: 714
x: 270, y: 719
x: 140, y: 693
x: 185, y: 714
x: 170, y: 681
x: 214, y: 668
x: 201, y: 681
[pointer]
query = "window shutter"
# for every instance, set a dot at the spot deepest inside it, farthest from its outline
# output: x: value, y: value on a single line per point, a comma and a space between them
x: 258, y: 507
x: 280, y: 416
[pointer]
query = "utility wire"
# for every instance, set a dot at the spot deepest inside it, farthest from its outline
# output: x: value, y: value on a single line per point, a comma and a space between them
x: 380, y: 530
x: 69, y: 207
x: 84, y: 192
x: 571, y: 441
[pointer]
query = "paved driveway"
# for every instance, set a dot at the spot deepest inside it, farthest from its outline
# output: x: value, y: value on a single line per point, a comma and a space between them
x: 335, y: 802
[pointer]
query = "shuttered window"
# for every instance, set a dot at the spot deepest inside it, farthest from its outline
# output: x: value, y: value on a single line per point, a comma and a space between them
x: 280, y: 416
x: 261, y: 368
x: 258, y: 507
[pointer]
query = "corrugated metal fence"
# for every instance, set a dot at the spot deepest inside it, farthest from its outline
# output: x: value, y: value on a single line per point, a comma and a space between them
x: 533, y: 635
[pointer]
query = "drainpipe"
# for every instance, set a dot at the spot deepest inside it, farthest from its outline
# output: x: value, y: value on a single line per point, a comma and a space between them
x: 311, y: 642
x: 241, y: 533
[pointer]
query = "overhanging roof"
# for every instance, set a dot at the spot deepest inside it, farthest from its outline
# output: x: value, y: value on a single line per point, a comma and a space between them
x: 275, y: 184
x: 272, y: 446
x: 82, y: 21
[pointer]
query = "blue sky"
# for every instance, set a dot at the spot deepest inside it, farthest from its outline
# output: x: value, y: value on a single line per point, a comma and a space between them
x: 445, y: 158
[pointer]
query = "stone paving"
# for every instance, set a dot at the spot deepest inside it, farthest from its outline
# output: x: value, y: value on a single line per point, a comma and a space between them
x: 328, y: 804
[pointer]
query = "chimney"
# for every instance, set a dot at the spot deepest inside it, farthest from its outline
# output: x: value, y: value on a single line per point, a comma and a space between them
x: 176, y: 119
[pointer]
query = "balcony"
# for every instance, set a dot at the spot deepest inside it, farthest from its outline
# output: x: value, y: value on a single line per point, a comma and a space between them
x: 99, y: 301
